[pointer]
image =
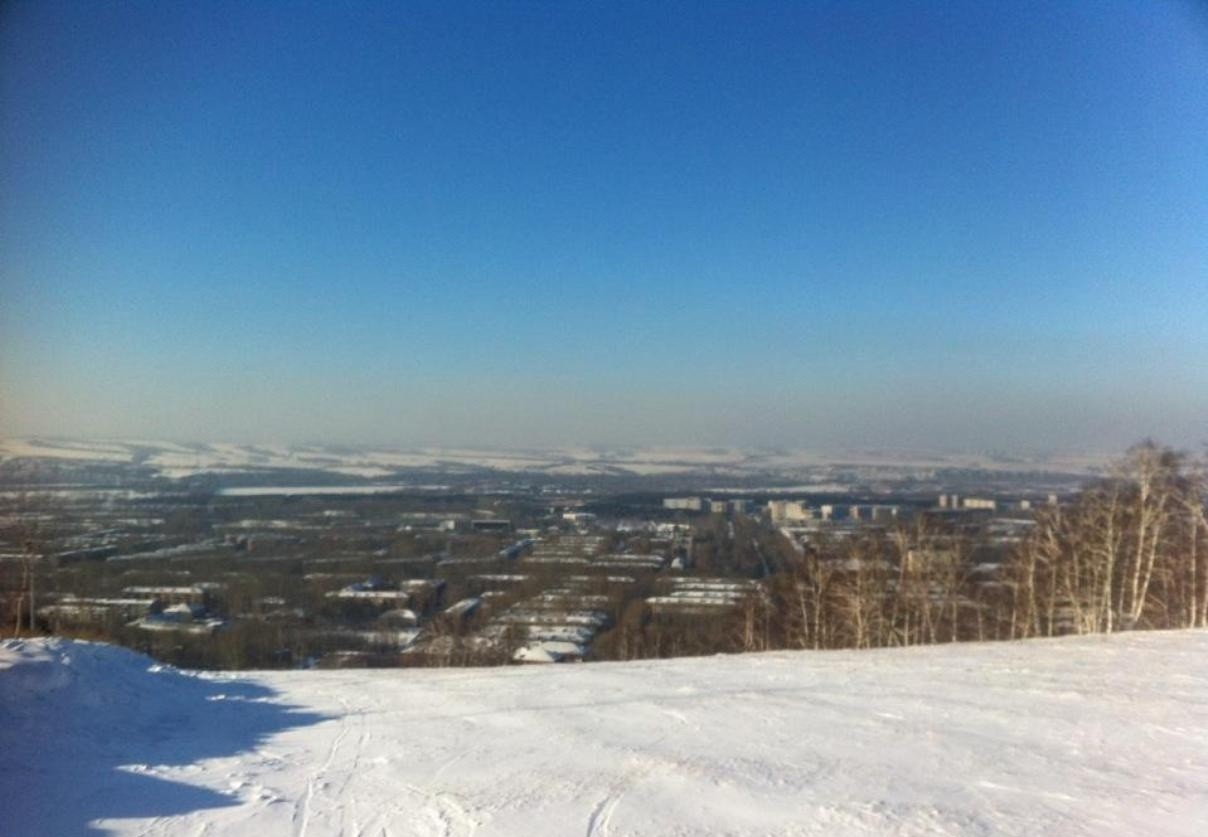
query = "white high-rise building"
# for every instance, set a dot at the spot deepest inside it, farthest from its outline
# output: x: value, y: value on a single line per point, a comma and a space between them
x: 683, y: 503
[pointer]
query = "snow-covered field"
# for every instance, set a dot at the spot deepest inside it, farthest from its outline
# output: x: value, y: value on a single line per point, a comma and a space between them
x: 1100, y: 735
x: 175, y: 460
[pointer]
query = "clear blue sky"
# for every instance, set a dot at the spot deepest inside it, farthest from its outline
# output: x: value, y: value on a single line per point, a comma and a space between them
x: 972, y: 225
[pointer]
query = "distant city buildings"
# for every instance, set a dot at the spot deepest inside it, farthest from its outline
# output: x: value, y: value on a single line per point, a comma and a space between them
x: 683, y: 503
x: 707, y: 504
x: 788, y: 511
x: 873, y: 513
x: 981, y: 503
x: 954, y: 501
x: 791, y: 512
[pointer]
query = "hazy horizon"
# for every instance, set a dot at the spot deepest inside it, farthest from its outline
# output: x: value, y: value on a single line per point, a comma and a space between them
x: 18, y: 445
x: 919, y: 226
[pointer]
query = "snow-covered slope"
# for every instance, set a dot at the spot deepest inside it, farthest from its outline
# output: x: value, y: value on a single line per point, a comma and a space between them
x: 1100, y: 735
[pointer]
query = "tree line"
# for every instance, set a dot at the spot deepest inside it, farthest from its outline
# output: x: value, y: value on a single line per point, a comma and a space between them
x: 1129, y: 551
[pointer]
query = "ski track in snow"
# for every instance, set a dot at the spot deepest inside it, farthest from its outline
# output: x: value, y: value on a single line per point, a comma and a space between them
x: 1095, y: 735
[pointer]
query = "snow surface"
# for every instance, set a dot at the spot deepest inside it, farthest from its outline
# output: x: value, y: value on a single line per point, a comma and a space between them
x: 1098, y: 735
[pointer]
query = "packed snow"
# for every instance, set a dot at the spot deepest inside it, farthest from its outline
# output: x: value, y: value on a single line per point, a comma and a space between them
x: 1096, y: 735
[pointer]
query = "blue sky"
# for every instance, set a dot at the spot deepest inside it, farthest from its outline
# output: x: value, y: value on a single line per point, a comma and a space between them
x: 976, y: 225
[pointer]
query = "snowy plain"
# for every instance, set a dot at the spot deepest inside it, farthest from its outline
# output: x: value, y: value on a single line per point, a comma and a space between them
x: 1091, y: 735
x: 174, y: 460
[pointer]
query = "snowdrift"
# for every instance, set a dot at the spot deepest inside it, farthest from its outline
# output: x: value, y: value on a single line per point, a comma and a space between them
x: 1093, y: 735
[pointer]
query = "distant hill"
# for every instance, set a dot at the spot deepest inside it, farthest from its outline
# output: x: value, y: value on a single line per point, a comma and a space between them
x: 180, y: 461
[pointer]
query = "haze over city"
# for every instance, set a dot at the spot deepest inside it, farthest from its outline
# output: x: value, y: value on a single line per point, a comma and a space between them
x: 970, y: 226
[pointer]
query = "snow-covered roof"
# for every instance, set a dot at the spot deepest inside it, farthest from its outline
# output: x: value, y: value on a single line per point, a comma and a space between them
x: 549, y: 651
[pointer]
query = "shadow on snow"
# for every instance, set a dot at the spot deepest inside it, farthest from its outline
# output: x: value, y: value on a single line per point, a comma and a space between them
x: 71, y: 756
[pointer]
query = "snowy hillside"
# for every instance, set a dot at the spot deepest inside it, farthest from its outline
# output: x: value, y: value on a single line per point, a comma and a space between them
x: 173, y: 460
x: 1101, y: 735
